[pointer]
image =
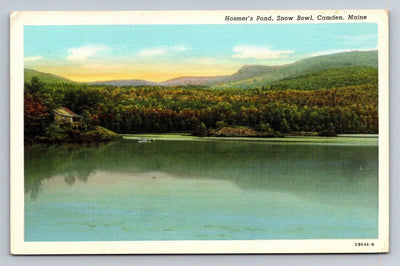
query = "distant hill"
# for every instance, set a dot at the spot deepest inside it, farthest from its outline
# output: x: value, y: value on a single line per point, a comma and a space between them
x: 243, y: 73
x: 182, y: 81
x: 324, y: 71
x: 251, y: 76
x: 45, y: 77
x: 259, y: 75
x: 331, y: 78
x: 320, y: 70
x: 128, y: 82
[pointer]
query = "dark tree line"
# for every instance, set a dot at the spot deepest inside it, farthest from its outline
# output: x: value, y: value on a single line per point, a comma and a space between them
x: 349, y: 109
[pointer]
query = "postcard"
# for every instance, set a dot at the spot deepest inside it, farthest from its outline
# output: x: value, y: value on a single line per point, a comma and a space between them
x: 176, y: 132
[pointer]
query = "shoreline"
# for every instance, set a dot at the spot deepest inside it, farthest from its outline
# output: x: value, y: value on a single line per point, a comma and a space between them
x: 348, y: 139
x: 185, y: 136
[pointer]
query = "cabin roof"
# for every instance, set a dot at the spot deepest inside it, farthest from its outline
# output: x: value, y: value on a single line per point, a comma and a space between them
x: 64, y: 111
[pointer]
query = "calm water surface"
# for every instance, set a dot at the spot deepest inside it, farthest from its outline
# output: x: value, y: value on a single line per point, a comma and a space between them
x: 182, y: 190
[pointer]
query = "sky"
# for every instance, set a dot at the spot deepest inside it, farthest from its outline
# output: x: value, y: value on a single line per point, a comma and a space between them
x: 162, y: 52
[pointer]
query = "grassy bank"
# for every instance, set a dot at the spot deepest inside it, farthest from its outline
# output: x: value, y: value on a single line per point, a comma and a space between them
x: 57, y: 134
x: 241, y: 131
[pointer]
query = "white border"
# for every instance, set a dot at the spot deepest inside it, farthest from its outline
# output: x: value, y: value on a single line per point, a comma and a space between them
x: 19, y: 246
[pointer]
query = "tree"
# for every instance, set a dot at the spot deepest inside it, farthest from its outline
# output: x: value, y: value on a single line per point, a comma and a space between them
x: 35, y: 86
x: 201, y: 130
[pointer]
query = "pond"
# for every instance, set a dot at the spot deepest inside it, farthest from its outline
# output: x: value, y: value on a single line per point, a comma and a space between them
x: 212, y: 189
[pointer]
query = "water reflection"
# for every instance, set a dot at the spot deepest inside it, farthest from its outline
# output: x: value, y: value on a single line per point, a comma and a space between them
x: 70, y: 161
x: 170, y: 190
x: 256, y: 166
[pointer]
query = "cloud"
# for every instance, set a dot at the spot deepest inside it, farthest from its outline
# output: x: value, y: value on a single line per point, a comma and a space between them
x: 84, y: 53
x: 258, y: 52
x: 32, y: 58
x: 162, y: 51
x: 358, y: 38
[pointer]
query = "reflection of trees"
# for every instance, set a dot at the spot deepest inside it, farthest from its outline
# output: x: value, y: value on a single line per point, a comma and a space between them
x: 69, y: 178
x: 82, y: 175
x: 276, y: 167
x: 72, y: 161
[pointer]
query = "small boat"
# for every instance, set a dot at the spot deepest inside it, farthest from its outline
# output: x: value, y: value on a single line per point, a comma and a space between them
x: 143, y: 140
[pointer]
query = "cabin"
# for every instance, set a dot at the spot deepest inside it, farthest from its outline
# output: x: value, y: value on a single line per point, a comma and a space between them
x: 63, y: 115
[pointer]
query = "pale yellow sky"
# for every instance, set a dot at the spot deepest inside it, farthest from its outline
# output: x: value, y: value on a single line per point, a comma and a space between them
x: 156, y: 73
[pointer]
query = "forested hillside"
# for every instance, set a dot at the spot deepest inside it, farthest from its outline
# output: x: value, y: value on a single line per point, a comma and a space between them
x: 44, y: 77
x: 325, y: 101
x: 251, y: 76
x: 350, y: 109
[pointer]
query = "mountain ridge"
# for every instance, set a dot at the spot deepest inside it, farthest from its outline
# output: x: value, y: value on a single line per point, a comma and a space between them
x: 124, y: 82
x: 252, y: 75
x: 43, y: 76
x: 305, y: 66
